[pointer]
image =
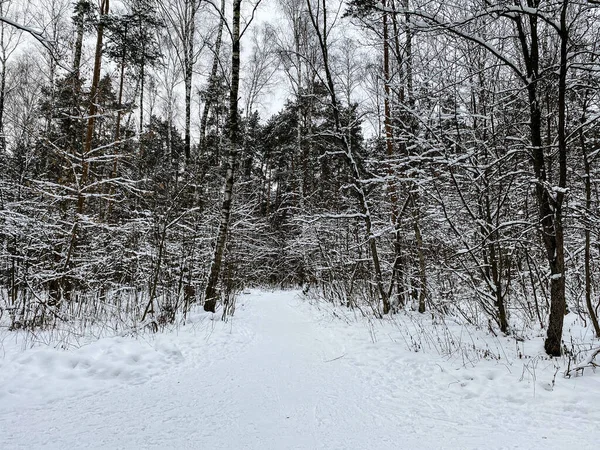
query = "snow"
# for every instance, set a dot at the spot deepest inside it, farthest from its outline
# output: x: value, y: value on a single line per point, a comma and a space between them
x: 286, y: 374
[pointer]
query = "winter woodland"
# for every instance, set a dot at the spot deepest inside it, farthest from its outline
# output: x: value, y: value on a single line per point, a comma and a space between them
x: 390, y: 157
x: 427, y: 171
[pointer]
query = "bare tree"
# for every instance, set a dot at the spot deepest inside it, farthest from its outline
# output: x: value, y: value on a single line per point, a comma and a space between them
x: 321, y: 27
x: 211, y: 293
x: 529, y: 70
x: 10, y: 37
x: 213, y: 78
x: 181, y: 18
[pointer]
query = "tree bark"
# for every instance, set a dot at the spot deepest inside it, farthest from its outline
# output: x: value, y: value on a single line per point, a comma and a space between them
x: 550, y: 210
x: 87, y: 146
x: 188, y: 68
x: 211, y: 293
x: 555, y: 244
x: 212, y: 80
x: 79, y: 22
x: 3, y: 60
x: 588, y: 253
x: 117, y: 134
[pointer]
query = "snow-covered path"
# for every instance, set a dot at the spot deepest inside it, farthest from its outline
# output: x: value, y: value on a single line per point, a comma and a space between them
x: 280, y: 376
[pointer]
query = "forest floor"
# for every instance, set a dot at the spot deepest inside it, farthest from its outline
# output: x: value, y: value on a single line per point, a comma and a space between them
x: 287, y: 374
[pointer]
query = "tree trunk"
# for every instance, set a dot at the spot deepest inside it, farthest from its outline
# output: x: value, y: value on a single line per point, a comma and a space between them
x: 421, y: 254
x: 80, y: 22
x: 117, y: 136
x: 389, y: 134
x: 188, y: 58
x: 550, y: 210
x: 2, y: 93
x: 588, y: 243
x: 87, y: 146
x: 188, y: 110
x: 211, y: 293
x: 3, y: 60
x: 389, y: 145
x: 212, y: 80
x: 558, y: 304
x: 142, y: 78
x: 93, y: 109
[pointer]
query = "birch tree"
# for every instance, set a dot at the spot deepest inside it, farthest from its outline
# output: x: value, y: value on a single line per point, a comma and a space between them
x: 211, y: 293
x: 181, y: 17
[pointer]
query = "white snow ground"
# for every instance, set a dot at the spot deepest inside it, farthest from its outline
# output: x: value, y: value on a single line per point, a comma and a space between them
x: 285, y: 375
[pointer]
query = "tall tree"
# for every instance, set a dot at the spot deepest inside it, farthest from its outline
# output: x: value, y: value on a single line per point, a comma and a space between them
x: 211, y: 293
x: 9, y: 41
x: 527, y: 22
x: 104, y: 8
x: 213, y: 79
x: 180, y: 16
x: 318, y: 18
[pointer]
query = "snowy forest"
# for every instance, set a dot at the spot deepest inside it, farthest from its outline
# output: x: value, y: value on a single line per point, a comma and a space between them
x: 385, y: 156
